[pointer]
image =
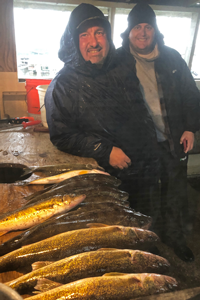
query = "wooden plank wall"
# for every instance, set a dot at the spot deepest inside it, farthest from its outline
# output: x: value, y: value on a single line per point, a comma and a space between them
x: 8, y: 62
x: 8, y: 53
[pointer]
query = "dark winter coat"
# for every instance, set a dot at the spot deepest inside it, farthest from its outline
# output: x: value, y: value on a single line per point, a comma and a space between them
x: 180, y: 94
x: 90, y: 110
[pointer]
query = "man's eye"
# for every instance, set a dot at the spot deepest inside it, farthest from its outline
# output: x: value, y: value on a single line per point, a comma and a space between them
x: 83, y: 35
x: 149, y: 27
x: 100, y: 32
x: 137, y: 27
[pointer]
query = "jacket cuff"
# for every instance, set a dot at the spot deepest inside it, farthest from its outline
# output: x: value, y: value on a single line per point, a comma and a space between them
x: 104, y: 159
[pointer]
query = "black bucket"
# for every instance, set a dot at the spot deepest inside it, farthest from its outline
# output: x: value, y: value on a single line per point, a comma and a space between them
x: 10, y: 172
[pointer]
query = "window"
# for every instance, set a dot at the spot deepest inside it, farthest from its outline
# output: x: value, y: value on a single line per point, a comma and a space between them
x: 196, y: 58
x: 120, y: 25
x: 39, y: 27
x: 178, y: 32
x: 38, y: 40
x: 38, y: 30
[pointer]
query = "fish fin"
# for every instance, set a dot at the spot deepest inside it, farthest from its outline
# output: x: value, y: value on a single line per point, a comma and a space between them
x: 23, y: 246
x: 82, y: 172
x: 107, y: 249
x: 40, y: 264
x: 3, y: 232
x: 100, y: 172
x: 95, y: 225
x: 91, y: 167
x: 27, y: 171
x: 44, y: 285
x: 115, y: 274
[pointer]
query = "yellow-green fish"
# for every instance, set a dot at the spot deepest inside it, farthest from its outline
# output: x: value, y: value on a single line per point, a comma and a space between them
x: 107, y: 213
x: 111, y: 286
x: 90, y: 264
x: 34, y: 214
x: 60, y: 177
x: 77, y: 241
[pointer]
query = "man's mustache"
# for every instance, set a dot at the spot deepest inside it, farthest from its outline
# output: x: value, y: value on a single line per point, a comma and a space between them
x: 98, y: 47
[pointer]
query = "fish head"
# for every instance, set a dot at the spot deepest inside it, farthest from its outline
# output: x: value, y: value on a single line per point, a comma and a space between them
x: 145, y: 235
x: 139, y: 237
x: 142, y: 221
x: 68, y: 201
x: 162, y: 283
x: 75, y: 198
x: 148, y: 261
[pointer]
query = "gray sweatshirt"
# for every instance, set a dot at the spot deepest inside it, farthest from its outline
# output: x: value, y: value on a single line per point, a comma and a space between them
x: 148, y: 85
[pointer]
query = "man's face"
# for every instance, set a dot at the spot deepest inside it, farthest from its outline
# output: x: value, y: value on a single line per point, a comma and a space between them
x: 93, y: 44
x: 141, y: 38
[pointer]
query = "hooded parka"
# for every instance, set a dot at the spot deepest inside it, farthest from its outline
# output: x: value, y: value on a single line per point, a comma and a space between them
x: 91, y: 109
x: 180, y: 106
x: 180, y: 95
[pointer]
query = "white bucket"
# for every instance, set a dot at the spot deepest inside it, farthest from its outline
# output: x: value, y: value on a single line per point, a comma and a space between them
x: 6, y: 293
x: 42, y: 91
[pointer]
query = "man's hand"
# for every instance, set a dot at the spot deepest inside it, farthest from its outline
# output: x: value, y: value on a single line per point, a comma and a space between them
x: 118, y: 159
x: 188, y: 136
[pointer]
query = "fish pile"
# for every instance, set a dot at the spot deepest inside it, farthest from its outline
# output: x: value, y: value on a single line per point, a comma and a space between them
x: 82, y: 241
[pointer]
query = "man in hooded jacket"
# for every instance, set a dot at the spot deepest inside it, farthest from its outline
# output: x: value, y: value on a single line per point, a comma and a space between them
x: 172, y: 99
x: 94, y: 107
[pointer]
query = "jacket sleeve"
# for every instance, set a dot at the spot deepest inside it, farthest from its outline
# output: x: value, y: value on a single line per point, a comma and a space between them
x: 190, y: 96
x: 65, y: 133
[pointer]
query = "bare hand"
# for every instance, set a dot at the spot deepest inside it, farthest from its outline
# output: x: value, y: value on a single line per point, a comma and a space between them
x: 118, y: 159
x: 189, y: 137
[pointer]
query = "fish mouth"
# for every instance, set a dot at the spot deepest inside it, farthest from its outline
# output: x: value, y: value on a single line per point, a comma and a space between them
x: 80, y: 198
x: 145, y: 226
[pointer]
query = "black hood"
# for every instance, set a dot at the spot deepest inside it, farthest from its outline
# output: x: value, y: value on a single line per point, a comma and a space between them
x: 69, y: 49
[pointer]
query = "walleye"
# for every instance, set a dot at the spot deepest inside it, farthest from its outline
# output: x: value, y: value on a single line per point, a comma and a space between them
x: 77, y: 241
x: 97, y: 199
x: 111, y: 286
x: 80, y: 182
x: 66, y: 175
x: 90, y: 264
x: 106, y: 213
x: 50, y: 170
x: 94, y: 191
x: 33, y: 214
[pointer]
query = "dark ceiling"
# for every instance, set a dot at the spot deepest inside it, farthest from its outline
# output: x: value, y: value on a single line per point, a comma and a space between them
x: 183, y: 3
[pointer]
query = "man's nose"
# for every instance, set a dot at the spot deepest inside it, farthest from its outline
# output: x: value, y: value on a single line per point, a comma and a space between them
x: 143, y: 31
x: 93, y: 40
